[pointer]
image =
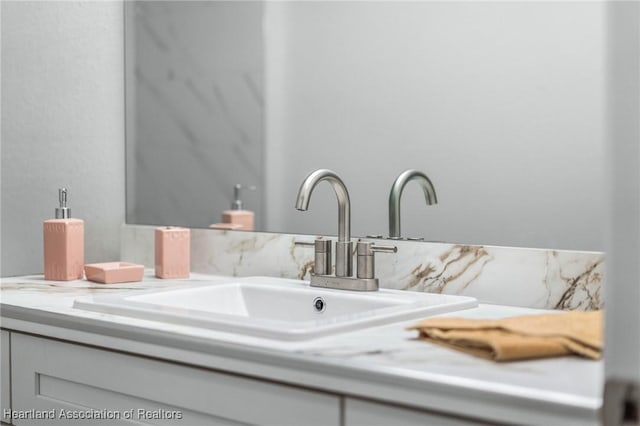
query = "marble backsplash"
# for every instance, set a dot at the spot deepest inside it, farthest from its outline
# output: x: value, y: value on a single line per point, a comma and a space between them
x: 535, y: 278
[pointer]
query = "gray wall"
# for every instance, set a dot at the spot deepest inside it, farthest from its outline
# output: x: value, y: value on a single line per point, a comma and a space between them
x: 622, y: 332
x: 62, y: 124
x: 500, y: 103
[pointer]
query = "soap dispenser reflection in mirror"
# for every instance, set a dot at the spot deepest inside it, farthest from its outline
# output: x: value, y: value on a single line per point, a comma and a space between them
x: 237, y: 218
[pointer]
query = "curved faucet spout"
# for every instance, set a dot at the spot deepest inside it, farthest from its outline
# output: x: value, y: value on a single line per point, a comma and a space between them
x: 344, y: 204
x: 396, y: 193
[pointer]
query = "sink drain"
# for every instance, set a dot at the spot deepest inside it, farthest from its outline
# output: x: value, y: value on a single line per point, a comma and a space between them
x: 319, y: 305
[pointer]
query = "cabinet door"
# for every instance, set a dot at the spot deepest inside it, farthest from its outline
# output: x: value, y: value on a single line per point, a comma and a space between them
x: 5, y: 376
x: 365, y: 413
x: 72, y: 380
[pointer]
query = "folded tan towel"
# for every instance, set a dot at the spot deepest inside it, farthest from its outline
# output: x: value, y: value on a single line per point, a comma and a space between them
x: 515, y: 338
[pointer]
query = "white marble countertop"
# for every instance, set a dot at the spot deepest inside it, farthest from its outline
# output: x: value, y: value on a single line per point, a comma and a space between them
x: 385, y: 363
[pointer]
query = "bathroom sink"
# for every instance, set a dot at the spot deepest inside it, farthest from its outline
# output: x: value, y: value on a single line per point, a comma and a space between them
x: 276, y: 308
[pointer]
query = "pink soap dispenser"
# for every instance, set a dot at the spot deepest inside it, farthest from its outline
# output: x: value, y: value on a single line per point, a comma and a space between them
x: 63, y: 244
x: 238, y: 215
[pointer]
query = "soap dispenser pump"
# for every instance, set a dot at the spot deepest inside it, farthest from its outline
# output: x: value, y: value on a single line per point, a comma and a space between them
x: 237, y: 215
x: 63, y: 244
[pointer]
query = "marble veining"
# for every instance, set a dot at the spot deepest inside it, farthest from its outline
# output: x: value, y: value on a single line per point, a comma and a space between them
x: 534, y: 278
x: 583, y: 287
x: 458, y: 267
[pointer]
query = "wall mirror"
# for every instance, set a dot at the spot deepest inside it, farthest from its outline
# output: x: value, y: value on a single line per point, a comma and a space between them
x: 501, y: 104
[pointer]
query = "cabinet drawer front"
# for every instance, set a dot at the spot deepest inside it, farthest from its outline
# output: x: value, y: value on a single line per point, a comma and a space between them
x: 364, y: 413
x: 52, y: 375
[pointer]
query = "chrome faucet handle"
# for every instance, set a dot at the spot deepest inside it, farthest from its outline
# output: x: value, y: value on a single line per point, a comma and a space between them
x: 304, y: 243
x: 322, y: 255
x: 366, y: 259
x: 384, y: 249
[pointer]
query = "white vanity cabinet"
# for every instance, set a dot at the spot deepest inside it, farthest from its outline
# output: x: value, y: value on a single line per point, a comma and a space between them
x: 54, y: 375
x: 5, y: 375
x: 359, y: 412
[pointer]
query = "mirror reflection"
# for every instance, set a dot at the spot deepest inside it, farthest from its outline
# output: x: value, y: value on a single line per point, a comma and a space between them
x: 501, y: 105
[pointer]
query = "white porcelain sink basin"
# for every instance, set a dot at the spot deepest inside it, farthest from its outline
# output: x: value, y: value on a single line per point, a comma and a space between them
x: 276, y: 308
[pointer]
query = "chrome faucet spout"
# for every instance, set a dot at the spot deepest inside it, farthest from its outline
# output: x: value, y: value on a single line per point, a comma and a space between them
x: 344, y: 255
x: 396, y: 193
x: 344, y: 204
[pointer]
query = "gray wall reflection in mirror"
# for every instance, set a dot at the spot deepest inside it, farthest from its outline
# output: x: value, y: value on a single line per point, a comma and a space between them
x: 194, y: 110
x: 501, y: 104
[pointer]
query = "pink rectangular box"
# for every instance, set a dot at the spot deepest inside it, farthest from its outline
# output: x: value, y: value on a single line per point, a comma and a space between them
x: 114, y: 272
x: 173, y: 252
